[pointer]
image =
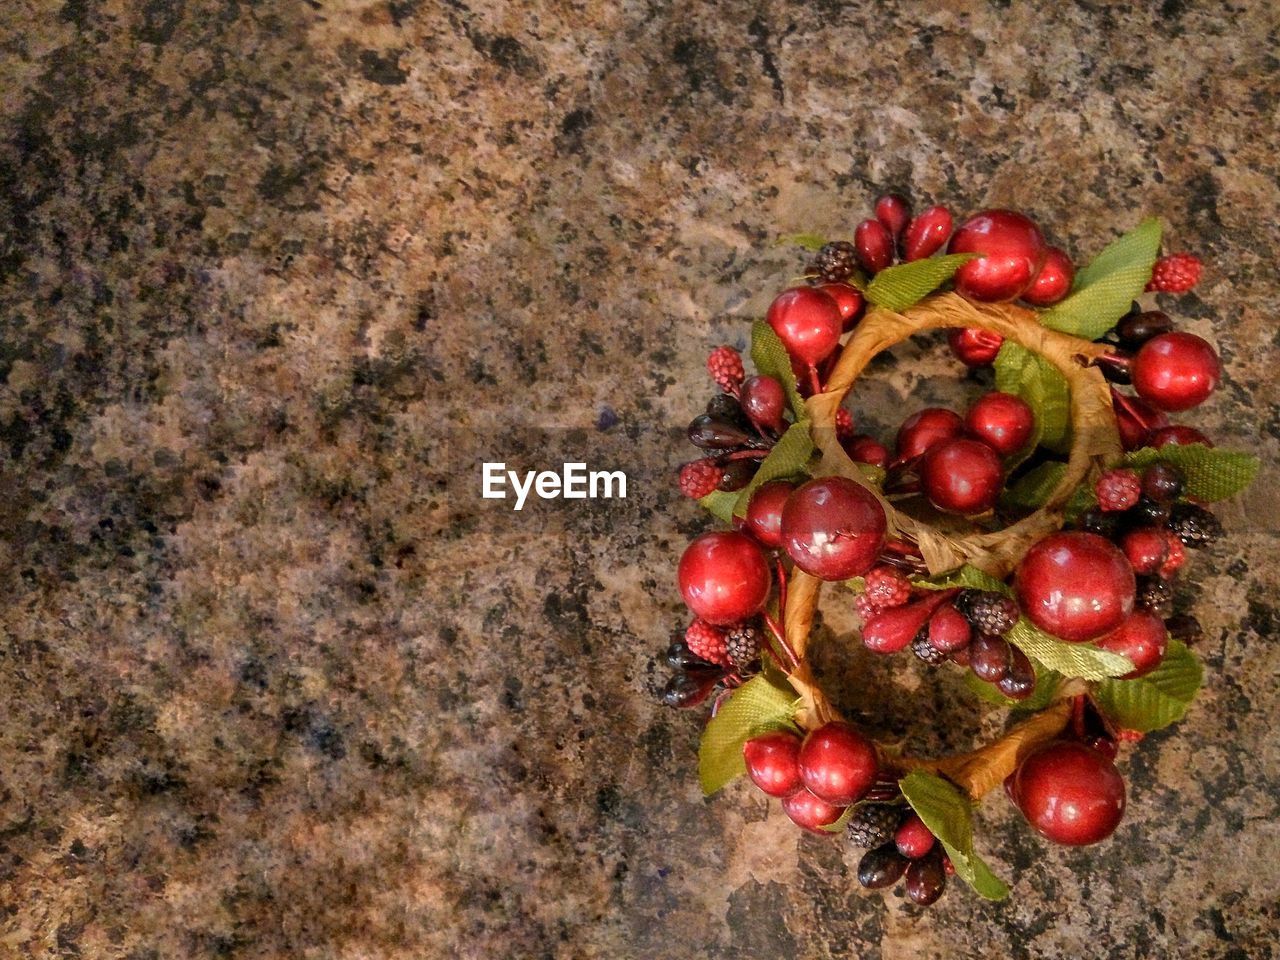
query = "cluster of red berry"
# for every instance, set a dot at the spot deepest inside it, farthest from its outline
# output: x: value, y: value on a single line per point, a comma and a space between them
x: 1105, y: 582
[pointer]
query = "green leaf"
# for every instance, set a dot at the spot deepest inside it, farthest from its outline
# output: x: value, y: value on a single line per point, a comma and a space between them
x: 1156, y: 700
x: 839, y: 825
x: 875, y: 475
x: 948, y: 814
x: 967, y: 576
x: 896, y: 288
x: 1211, y: 474
x: 1105, y: 289
x: 1047, y: 682
x: 758, y: 705
x: 1032, y: 489
x: 1038, y: 382
x: 719, y: 504
x: 772, y: 360
x: 810, y: 241
x: 788, y: 458
x: 1069, y: 659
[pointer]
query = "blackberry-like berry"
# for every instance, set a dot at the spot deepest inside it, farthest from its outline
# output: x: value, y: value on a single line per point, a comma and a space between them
x: 742, y: 643
x: 725, y: 407
x: 707, y: 641
x: 989, y: 612
x: 836, y: 261
x: 699, y: 478
x: 1100, y: 522
x: 873, y: 824
x: 1194, y: 525
x: 1176, y: 273
x: 1149, y: 512
x: 1156, y: 595
x: 925, y: 650
x: 725, y: 366
x: 1118, y: 490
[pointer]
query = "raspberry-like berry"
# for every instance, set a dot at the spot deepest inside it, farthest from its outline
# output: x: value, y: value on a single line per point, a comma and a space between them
x: 742, y: 643
x: 1194, y: 525
x: 886, y: 588
x: 1155, y: 595
x: 989, y: 612
x: 725, y: 366
x: 707, y: 641
x: 836, y: 261
x: 926, y: 651
x: 1176, y: 273
x: 1129, y: 736
x: 873, y: 824
x: 1176, y: 558
x: 865, y: 606
x: 844, y: 425
x: 699, y: 478
x: 1118, y: 489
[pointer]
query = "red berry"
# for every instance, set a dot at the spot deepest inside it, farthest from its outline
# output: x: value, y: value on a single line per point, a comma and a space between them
x: 961, y: 476
x: 699, y: 478
x: 1053, y: 282
x: 844, y: 425
x: 1012, y: 251
x: 1135, y: 426
x: 1177, y: 556
x: 764, y: 511
x: 763, y: 401
x: 1075, y: 586
x: 913, y: 838
x: 706, y: 641
x: 808, y: 322
x: 874, y: 244
x: 837, y: 763
x: 1002, y: 421
x: 1175, y: 371
x: 894, y: 213
x: 833, y: 528
x: 1142, y: 638
x: 922, y: 430
x: 723, y: 577
x: 927, y: 233
x: 989, y: 657
x: 866, y: 449
x: 886, y: 587
x: 1070, y: 793
x: 889, y: 631
x: 806, y: 810
x: 1118, y: 489
x: 773, y: 763
x: 1176, y: 273
x: 1146, y: 549
x: 847, y: 299
x: 1176, y: 435
x: 866, y: 607
x: 974, y: 346
x: 725, y: 366
x: 949, y: 631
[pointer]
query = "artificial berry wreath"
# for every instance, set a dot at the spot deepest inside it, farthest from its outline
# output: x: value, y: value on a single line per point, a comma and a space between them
x: 1032, y: 541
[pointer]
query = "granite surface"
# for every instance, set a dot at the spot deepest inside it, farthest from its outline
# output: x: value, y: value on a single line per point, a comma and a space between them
x: 274, y: 273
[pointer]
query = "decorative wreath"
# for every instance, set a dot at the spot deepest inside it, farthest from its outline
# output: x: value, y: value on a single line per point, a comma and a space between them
x: 1032, y: 541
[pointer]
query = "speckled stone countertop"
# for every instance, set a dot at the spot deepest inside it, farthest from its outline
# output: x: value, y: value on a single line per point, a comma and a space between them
x: 277, y: 683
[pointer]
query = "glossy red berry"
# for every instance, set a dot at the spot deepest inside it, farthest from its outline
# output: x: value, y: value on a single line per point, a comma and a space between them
x: 1177, y: 435
x: 891, y: 630
x: 1118, y: 489
x: 974, y: 346
x: 1075, y: 586
x: 1146, y: 549
x: 1012, y: 252
x: 1070, y: 793
x: 844, y: 425
x: 763, y: 401
x: 865, y: 449
x: 810, y: 812
x: 808, y: 322
x: 1142, y: 638
x: 1001, y: 421
x: 1175, y: 371
x: 894, y: 213
x: 1177, y: 556
x: 847, y: 299
x: 773, y: 763
x: 1053, y: 282
x: 949, y: 631
x: 922, y: 430
x: 961, y: 476
x: 927, y: 234
x: 837, y: 763
x: 699, y: 478
x: 764, y: 511
x: 1136, y: 419
x: 1176, y: 273
x: 725, y: 366
x: 724, y: 577
x: 913, y: 838
x: 874, y: 244
x: 833, y: 528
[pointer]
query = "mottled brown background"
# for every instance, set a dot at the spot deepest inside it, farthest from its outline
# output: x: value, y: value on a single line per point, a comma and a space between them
x: 277, y: 684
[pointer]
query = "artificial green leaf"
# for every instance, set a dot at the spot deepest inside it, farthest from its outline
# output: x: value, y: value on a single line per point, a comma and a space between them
x: 875, y: 475
x: 839, y: 825
x: 969, y: 577
x: 1104, y: 290
x: 1156, y: 700
x: 810, y: 241
x: 1032, y: 489
x: 756, y: 706
x: 1211, y: 474
x: 1069, y: 659
x: 788, y: 458
x: 948, y: 815
x: 896, y: 288
x: 1038, y: 382
x: 1047, y: 682
x: 719, y: 504
x: 772, y: 360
